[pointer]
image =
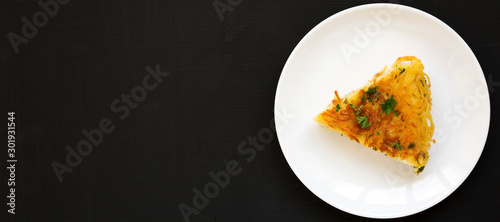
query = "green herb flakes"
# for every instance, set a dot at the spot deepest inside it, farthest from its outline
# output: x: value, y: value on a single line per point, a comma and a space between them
x: 411, y: 146
x: 397, y: 145
x: 363, y: 121
x: 388, y: 106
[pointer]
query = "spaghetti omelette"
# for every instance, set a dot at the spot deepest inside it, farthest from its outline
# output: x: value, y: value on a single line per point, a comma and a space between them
x: 390, y: 114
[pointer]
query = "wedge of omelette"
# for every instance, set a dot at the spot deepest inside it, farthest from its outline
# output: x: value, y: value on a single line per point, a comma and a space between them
x: 390, y: 114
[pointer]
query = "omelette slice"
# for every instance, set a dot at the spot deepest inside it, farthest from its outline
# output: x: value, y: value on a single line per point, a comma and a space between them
x: 391, y: 114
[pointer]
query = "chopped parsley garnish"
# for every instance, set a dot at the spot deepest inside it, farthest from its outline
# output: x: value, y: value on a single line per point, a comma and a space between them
x: 411, y: 145
x: 396, y: 145
x: 422, y: 154
x: 345, y: 101
x: 401, y: 71
x: 337, y: 108
x: 371, y: 90
x: 356, y: 110
x: 378, y: 134
x: 370, y: 93
x: 420, y: 169
x: 388, y: 106
x: 363, y: 121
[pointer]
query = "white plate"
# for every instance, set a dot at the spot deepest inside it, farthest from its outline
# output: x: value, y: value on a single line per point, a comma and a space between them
x: 342, y: 53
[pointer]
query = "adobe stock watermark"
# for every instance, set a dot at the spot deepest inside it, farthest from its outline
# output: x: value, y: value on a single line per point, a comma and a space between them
x: 121, y: 107
x: 455, y: 116
x: 462, y: 110
x: 247, y: 150
x: 364, y: 35
x: 222, y: 7
x: 38, y: 20
x: 491, y: 84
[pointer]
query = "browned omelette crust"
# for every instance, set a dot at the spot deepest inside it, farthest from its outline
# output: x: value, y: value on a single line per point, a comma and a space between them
x: 410, y: 129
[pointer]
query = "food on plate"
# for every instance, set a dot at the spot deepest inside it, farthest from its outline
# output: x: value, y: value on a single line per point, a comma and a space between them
x: 390, y: 114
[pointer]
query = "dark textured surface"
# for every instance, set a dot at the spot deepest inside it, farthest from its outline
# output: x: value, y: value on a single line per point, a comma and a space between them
x: 220, y: 91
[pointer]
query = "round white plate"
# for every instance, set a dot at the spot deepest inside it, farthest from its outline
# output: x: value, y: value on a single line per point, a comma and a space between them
x: 342, y: 53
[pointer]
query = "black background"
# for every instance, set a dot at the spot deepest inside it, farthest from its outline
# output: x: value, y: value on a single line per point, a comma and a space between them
x: 221, y: 87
